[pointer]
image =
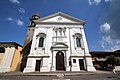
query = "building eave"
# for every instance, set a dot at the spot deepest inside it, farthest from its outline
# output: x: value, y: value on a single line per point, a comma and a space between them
x: 75, y: 23
x: 9, y: 44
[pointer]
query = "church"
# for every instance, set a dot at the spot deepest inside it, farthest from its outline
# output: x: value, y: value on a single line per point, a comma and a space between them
x: 57, y: 43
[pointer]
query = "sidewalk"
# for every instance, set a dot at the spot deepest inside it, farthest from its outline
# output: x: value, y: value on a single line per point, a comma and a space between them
x: 17, y: 73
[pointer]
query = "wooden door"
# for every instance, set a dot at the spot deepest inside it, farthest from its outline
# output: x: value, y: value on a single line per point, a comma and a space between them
x: 81, y: 63
x: 60, y: 61
x: 38, y: 62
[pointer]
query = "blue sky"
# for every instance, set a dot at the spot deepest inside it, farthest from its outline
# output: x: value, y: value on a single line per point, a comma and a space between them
x: 101, y: 17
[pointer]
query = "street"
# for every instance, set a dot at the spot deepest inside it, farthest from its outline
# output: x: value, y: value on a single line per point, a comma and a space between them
x: 102, y: 76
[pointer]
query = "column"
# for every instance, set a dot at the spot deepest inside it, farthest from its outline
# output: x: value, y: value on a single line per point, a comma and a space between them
x: 67, y: 61
x: 53, y: 67
x: 45, y: 67
x: 48, y: 41
x: 84, y: 41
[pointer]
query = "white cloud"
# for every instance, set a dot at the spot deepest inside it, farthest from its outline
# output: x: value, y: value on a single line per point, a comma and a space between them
x: 107, y: 39
x: 9, y: 19
x: 19, y: 22
x: 91, y: 2
x: 21, y: 10
x: 110, y: 39
x: 108, y: 0
x: 108, y: 42
x: 105, y: 27
x: 15, y: 1
x: 96, y: 2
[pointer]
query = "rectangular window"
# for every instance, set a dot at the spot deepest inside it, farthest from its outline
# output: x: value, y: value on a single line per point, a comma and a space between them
x: 74, y: 60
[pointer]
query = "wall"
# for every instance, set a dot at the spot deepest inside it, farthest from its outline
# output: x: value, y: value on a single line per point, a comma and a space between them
x: 1, y: 57
x: 16, y: 59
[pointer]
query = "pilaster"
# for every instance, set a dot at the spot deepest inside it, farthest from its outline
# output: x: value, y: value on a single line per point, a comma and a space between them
x: 75, y: 66
x: 89, y: 63
x: 7, y: 59
x: 30, y: 67
x: 53, y: 67
x: 45, y: 66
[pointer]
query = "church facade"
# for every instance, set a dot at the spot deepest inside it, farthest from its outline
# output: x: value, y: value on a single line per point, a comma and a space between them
x: 58, y: 43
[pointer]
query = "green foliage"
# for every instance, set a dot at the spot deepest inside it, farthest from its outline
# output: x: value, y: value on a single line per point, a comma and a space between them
x: 118, y: 61
x: 112, y: 60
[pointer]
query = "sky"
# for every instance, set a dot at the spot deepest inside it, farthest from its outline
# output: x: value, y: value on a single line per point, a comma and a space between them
x: 101, y: 16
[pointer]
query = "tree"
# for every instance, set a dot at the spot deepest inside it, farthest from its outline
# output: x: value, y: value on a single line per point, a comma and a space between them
x: 118, y: 61
x: 111, y: 60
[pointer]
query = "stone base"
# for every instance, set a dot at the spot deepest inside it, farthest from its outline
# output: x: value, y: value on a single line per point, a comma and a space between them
x: 52, y: 68
x: 45, y: 69
x: 75, y: 69
x: 68, y: 68
x: 117, y: 68
x: 91, y: 69
x: 4, y: 70
x: 28, y: 69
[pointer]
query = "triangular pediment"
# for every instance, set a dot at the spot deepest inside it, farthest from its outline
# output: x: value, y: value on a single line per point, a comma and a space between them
x: 60, y: 18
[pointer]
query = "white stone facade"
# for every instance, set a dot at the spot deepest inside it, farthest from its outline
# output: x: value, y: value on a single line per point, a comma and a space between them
x: 59, y: 43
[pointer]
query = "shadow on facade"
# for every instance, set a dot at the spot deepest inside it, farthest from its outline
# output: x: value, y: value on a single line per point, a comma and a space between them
x: 25, y: 52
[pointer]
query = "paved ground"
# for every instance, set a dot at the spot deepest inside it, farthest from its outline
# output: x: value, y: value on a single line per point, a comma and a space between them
x: 83, y: 75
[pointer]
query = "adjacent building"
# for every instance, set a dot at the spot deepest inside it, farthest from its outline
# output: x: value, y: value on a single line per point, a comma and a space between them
x: 100, y: 59
x: 56, y: 43
x: 10, y: 56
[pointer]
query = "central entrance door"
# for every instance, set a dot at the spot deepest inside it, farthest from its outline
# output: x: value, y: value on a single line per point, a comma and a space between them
x: 60, y: 61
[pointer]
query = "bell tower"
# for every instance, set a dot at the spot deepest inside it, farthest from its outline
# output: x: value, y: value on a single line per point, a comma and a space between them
x: 28, y: 40
x: 31, y: 28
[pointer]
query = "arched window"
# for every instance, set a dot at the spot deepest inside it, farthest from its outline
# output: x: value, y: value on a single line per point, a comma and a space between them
x: 41, y: 41
x: 78, y: 42
x: 2, y: 50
